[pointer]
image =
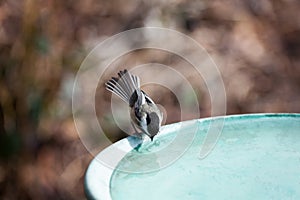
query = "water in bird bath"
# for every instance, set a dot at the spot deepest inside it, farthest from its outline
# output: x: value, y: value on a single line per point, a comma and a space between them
x: 256, y: 157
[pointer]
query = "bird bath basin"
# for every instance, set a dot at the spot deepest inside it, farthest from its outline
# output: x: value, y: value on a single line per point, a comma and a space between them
x: 256, y: 156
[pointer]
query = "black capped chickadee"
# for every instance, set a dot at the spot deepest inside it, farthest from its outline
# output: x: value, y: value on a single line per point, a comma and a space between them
x: 144, y: 113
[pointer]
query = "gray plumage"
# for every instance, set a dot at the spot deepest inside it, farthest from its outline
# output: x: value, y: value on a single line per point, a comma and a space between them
x: 144, y: 113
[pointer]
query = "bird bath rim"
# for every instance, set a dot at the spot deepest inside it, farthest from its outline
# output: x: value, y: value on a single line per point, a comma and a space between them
x: 98, y: 175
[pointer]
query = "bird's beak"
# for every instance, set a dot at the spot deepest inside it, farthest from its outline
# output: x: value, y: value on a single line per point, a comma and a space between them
x: 151, y: 137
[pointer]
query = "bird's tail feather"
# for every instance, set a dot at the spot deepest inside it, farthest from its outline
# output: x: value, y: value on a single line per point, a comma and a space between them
x: 123, y: 86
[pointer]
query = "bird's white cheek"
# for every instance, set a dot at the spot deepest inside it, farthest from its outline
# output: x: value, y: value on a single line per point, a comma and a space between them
x: 144, y: 123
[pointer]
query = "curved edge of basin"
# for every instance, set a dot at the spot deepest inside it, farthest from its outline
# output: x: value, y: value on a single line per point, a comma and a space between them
x: 98, y: 175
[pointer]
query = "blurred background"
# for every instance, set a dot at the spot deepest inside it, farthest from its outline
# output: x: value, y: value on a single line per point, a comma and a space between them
x: 256, y: 45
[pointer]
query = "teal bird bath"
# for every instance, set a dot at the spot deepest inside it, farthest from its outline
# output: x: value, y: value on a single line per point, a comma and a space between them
x: 255, y: 156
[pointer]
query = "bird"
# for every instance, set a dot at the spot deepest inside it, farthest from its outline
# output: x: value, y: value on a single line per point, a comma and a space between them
x: 144, y: 113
